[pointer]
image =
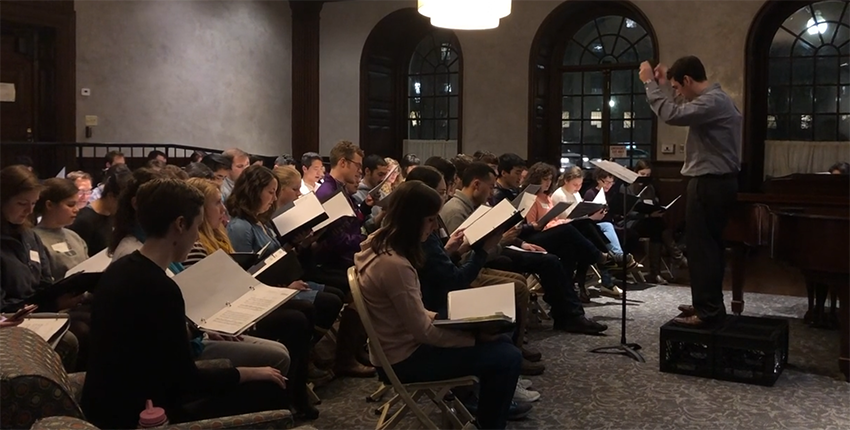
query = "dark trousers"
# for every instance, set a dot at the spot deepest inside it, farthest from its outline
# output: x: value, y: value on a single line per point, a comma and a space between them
x: 557, y: 284
x: 710, y: 197
x: 496, y: 364
x: 292, y: 325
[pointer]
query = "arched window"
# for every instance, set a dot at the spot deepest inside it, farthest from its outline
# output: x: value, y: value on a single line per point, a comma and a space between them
x: 809, y: 77
x: 410, y: 80
x: 587, y: 100
x: 433, y: 92
x: 604, y: 110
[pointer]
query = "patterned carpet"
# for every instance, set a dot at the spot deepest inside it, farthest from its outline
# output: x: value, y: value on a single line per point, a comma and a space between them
x: 583, y: 390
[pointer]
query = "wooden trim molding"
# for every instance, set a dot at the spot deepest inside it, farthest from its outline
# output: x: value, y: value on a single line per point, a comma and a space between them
x: 305, y: 76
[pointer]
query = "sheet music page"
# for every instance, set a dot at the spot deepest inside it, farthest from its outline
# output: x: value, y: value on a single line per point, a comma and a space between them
x: 555, y: 212
x: 210, y: 283
x: 95, y: 263
x: 336, y: 207
x: 266, y: 263
x: 490, y: 220
x: 600, y: 198
x: 478, y: 213
x: 530, y: 189
x: 526, y: 201
x: 671, y: 203
x: 516, y: 248
x: 482, y: 302
x: 305, y: 209
x: 246, y: 310
x: 383, y: 181
x: 44, y: 327
x: 617, y: 170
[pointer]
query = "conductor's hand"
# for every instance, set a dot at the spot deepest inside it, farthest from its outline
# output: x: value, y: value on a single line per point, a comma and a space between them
x: 646, y: 72
x: 657, y: 214
x: 661, y: 74
x: 248, y: 374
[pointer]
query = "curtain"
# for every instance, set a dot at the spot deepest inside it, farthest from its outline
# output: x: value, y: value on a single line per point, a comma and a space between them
x: 783, y: 157
x: 425, y: 149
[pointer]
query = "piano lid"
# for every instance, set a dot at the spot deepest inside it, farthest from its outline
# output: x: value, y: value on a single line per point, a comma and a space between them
x: 809, y: 184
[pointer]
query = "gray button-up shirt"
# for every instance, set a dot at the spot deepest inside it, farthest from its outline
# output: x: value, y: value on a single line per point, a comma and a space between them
x: 714, y: 139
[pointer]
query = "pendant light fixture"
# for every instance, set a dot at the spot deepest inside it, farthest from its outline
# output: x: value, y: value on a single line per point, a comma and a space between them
x: 465, y: 14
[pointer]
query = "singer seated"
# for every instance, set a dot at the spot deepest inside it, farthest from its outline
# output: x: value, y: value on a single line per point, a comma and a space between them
x: 417, y: 350
x: 94, y: 222
x: 26, y: 261
x: 57, y: 208
x: 136, y: 300
x: 653, y: 226
x: 350, y: 358
x: 283, y: 327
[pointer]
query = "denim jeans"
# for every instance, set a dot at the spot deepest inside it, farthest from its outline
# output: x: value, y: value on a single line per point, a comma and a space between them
x: 496, y: 364
x: 613, y: 246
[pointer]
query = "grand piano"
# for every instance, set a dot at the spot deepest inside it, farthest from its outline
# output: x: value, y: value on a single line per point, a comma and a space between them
x: 804, y: 219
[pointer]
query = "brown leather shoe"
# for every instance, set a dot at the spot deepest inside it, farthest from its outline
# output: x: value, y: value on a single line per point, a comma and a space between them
x: 687, y: 310
x: 531, y: 355
x: 531, y: 369
x: 354, y: 369
x: 690, y: 321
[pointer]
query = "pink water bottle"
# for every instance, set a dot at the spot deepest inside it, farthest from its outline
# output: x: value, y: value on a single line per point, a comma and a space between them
x: 152, y: 416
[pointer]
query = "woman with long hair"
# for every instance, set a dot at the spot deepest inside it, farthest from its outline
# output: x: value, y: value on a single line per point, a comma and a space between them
x: 25, y: 263
x: 136, y: 301
x: 57, y: 207
x: 250, y: 206
x: 418, y: 351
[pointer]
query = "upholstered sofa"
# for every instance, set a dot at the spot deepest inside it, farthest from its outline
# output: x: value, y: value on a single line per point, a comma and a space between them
x: 35, y: 391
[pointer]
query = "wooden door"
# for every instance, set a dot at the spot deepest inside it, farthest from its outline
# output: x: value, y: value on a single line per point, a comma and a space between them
x: 18, y: 74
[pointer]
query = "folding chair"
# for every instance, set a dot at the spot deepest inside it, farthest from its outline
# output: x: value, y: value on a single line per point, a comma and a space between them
x: 537, y: 314
x: 409, y: 394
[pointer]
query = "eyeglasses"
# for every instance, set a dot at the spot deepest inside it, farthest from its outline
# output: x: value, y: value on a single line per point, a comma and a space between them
x: 359, y: 165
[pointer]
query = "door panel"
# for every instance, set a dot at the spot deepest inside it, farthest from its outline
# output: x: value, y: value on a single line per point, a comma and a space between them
x: 18, y: 69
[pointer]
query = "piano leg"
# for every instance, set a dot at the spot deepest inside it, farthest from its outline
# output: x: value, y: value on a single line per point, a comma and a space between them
x: 739, y: 256
x: 843, y: 292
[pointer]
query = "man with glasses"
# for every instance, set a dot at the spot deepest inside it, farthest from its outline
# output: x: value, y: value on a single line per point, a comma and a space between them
x: 342, y: 239
x: 83, y: 182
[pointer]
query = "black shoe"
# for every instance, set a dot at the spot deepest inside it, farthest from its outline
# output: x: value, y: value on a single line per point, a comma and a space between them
x: 614, y: 261
x: 580, y: 325
x: 531, y: 355
x: 519, y: 410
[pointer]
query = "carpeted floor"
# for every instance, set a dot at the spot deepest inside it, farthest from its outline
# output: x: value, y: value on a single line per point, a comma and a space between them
x: 582, y: 390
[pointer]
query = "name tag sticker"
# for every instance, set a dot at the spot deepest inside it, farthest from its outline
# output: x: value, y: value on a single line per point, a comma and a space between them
x: 60, y: 247
x: 34, y: 257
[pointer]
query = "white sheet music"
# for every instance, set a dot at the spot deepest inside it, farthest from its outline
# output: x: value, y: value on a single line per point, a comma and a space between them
x: 478, y: 213
x: 617, y: 170
x: 219, y: 295
x: 336, y: 207
x: 46, y: 328
x: 667, y: 206
x: 526, y: 201
x: 304, y: 210
x: 600, y: 198
x: 268, y: 262
x: 243, y: 312
x: 482, y: 302
x: 96, y: 263
x: 489, y: 221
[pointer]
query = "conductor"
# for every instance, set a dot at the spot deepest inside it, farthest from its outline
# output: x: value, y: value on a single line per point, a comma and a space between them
x: 712, y: 161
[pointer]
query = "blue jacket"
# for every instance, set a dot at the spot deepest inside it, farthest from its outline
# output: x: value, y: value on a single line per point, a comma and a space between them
x: 440, y: 275
x: 21, y: 272
x: 246, y: 236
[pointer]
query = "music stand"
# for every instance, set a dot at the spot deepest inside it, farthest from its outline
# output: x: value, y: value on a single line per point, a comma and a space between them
x: 624, y: 348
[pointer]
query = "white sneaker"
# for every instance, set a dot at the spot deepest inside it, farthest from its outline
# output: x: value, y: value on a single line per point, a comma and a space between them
x: 613, y: 291
x: 524, y: 383
x: 525, y: 396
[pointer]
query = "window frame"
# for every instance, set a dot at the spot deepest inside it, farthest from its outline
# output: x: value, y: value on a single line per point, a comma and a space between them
x: 437, y: 37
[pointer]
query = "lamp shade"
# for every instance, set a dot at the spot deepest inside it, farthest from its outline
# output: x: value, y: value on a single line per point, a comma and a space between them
x: 465, y: 14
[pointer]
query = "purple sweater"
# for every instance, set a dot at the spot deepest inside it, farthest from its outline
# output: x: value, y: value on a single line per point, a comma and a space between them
x: 342, y: 239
